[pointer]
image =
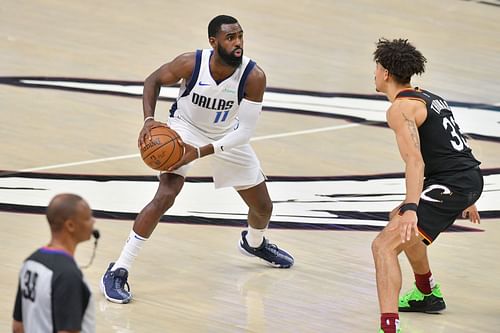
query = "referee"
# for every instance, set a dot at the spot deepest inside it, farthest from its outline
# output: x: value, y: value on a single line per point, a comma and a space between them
x: 52, y: 295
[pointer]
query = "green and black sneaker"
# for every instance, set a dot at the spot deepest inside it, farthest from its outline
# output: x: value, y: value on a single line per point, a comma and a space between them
x: 416, y: 301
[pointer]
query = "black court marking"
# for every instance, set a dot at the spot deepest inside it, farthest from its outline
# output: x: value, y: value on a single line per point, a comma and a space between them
x: 344, y: 111
x: 193, y: 220
x: 315, y: 203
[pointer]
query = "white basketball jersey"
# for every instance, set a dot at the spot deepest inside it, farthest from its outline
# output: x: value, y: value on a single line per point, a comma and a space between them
x: 210, y: 106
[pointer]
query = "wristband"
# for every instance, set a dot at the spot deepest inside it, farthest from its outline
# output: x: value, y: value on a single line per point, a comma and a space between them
x: 148, y: 118
x: 198, y: 151
x: 408, y: 206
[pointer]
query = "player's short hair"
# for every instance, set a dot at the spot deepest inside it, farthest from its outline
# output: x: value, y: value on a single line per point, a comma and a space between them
x: 215, y: 24
x: 61, y: 208
x: 400, y: 58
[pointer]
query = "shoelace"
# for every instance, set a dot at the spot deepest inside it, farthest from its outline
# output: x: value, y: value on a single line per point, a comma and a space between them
x: 119, y: 283
x: 273, y: 248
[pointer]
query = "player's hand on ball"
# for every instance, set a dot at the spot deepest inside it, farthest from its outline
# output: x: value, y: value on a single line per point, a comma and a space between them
x: 145, y: 134
x: 190, y: 154
x: 163, y: 150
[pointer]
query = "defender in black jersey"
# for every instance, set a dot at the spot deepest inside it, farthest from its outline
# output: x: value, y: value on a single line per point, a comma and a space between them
x: 52, y: 295
x: 443, y: 182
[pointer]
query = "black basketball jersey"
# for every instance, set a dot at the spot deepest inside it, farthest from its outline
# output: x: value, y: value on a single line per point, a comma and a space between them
x: 52, y: 294
x: 444, y: 148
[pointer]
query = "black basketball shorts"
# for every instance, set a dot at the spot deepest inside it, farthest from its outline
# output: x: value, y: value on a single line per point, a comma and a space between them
x: 444, y: 198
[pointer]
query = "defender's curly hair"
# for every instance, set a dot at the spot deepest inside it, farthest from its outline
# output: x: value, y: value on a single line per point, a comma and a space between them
x: 400, y: 58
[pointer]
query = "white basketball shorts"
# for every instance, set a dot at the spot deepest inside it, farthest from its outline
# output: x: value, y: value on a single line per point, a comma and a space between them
x: 238, y: 167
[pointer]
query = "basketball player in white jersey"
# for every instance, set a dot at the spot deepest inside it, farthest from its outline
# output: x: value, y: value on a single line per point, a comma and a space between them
x: 216, y: 113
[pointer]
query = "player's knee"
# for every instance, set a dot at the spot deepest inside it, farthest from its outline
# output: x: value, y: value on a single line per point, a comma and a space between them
x: 380, y: 248
x: 163, y: 201
x: 375, y: 247
x: 264, y: 209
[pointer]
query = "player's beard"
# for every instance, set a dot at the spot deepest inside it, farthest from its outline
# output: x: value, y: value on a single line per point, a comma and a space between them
x: 230, y: 58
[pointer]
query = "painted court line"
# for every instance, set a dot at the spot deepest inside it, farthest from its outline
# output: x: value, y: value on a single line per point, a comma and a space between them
x: 316, y: 130
x: 99, y: 160
x: 259, y: 138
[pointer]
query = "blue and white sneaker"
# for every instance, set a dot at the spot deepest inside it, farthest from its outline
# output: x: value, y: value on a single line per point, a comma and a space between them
x: 270, y: 253
x: 113, y: 283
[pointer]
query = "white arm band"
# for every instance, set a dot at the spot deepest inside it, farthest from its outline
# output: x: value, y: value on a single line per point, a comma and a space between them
x: 248, y: 113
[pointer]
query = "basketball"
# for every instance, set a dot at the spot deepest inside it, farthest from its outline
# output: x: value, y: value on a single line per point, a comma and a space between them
x: 163, y: 150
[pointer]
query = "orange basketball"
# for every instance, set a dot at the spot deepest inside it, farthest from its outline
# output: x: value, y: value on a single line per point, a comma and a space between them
x: 164, y: 150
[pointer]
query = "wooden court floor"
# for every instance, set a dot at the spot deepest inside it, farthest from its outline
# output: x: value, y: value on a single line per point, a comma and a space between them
x: 190, y: 277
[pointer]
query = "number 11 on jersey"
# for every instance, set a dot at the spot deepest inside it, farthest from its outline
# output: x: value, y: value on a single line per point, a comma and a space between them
x: 218, y: 116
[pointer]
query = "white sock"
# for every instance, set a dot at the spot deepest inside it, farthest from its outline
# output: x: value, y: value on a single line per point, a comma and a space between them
x: 130, y: 250
x: 255, y: 237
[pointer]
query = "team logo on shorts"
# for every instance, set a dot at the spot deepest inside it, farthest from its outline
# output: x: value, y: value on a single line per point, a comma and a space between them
x: 440, y: 191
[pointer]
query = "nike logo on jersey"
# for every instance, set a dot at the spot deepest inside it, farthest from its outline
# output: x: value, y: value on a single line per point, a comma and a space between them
x: 203, y: 83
